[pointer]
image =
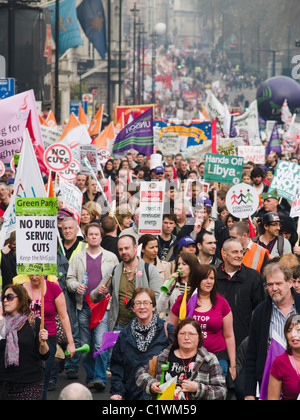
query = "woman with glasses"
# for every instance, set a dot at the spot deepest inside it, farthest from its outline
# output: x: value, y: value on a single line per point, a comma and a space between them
x: 196, y: 372
x: 23, y: 347
x: 213, y: 313
x: 284, y: 382
x: 144, y: 337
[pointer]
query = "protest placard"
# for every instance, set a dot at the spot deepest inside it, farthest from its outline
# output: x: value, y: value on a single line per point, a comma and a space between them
x: 242, y: 200
x: 223, y: 169
x: 286, y: 179
x: 151, y: 207
x: 36, y: 235
x: 255, y: 154
x: 72, y: 198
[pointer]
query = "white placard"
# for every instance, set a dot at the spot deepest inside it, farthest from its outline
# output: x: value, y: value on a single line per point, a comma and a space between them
x: 242, y: 200
x: 151, y: 207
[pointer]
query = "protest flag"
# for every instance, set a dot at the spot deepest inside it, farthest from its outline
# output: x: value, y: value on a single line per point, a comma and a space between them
x: 72, y: 123
x: 69, y: 31
x: 91, y: 16
x: 277, y: 347
x: 95, y: 126
x: 42, y: 121
x: 78, y: 135
x: 182, y: 310
x: 252, y: 233
x: 51, y: 120
x: 39, y: 150
x: 28, y: 183
x: 286, y: 115
x: 213, y: 107
x: 106, y: 137
x: 82, y: 118
x: 109, y: 339
x: 168, y: 394
x: 274, y: 142
x: 136, y: 135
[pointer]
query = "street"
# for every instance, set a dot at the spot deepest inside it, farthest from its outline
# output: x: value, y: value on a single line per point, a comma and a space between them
x: 63, y: 381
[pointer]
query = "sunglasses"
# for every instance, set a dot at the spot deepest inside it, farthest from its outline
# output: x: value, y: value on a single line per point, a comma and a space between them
x: 9, y: 297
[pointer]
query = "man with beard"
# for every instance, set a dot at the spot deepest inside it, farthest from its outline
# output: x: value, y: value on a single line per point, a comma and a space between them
x: 131, y: 273
x: 269, y: 317
x: 257, y: 176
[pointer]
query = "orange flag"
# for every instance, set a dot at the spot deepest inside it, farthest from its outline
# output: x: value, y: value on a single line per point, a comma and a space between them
x: 51, y: 121
x: 95, y: 126
x: 106, y: 137
x: 82, y: 118
x: 72, y: 123
x: 42, y: 121
x: 205, y: 114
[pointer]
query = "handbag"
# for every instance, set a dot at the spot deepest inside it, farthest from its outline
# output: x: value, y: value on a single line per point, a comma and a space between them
x: 60, y: 335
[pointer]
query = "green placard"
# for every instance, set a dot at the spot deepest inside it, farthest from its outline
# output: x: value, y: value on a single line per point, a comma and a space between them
x: 36, y: 234
x: 286, y: 180
x: 223, y: 169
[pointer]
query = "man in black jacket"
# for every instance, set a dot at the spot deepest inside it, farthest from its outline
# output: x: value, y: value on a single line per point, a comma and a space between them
x: 269, y: 316
x: 241, y: 286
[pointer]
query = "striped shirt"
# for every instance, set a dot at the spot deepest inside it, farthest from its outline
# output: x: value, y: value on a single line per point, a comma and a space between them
x: 278, y: 321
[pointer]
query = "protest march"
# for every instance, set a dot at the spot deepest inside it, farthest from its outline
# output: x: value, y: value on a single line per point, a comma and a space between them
x: 123, y: 234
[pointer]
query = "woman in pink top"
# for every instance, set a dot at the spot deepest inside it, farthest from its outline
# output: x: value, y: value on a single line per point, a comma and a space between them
x: 214, y: 315
x: 54, y: 303
x: 284, y: 383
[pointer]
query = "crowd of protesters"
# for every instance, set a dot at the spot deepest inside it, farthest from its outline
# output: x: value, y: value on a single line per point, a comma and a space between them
x: 226, y: 293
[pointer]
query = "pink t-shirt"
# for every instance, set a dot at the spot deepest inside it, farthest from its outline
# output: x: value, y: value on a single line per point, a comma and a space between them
x: 53, y: 291
x: 282, y: 370
x: 211, y: 323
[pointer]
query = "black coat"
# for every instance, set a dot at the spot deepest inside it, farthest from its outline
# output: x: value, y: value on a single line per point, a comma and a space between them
x: 244, y: 292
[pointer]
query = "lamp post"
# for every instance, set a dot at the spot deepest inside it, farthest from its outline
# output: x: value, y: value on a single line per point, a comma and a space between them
x: 135, y: 12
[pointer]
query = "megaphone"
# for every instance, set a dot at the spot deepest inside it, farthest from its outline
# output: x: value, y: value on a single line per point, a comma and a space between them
x: 166, y: 288
x: 85, y: 349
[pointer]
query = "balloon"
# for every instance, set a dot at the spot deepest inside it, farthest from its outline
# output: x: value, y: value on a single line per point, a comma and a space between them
x: 271, y: 95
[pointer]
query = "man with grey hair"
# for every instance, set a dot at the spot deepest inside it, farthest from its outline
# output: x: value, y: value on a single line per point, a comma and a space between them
x: 75, y: 392
x: 241, y: 286
x: 269, y: 318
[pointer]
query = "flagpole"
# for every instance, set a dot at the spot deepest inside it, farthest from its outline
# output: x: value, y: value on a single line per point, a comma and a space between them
x: 108, y: 54
x: 56, y: 59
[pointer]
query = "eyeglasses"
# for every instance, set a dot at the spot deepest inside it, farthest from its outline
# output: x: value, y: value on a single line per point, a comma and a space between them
x: 9, y: 297
x: 184, y: 334
x: 146, y: 303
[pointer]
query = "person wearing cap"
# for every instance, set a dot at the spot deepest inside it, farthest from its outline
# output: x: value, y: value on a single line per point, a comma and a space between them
x: 160, y: 173
x: 271, y: 204
x: 270, y: 239
x: 269, y: 318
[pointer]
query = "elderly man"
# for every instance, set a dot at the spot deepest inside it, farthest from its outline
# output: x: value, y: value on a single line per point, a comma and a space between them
x: 131, y: 273
x: 241, y: 286
x: 269, y: 317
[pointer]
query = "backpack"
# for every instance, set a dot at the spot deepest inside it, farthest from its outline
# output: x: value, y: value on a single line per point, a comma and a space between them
x: 280, y: 244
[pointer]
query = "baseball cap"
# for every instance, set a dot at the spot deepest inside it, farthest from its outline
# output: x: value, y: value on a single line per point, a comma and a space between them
x: 186, y: 241
x: 204, y: 202
x: 272, y: 194
x: 159, y: 170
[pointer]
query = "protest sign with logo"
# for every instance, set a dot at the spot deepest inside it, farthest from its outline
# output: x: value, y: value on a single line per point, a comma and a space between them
x: 223, y: 169
x: 103, y: 155
x: 286, y: 179
x: 151, y: 207
x: 57, y: 157
x: 70, y: 174
x: 36, y: 235
x: 242, y: 200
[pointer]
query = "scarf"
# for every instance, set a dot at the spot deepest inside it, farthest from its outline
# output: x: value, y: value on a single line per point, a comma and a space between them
x: 144, y: 334
x: 12, y: 325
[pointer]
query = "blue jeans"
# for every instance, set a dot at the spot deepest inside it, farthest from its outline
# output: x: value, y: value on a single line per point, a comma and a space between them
x: 224, y: 366
x: 95, y: 368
